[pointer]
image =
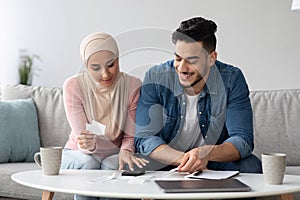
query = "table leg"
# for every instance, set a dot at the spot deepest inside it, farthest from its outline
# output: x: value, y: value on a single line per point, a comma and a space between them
x: 287, y: 197
x: 47, y: 195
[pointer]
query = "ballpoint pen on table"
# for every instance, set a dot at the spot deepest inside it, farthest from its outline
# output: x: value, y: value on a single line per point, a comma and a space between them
x: 198, y: 173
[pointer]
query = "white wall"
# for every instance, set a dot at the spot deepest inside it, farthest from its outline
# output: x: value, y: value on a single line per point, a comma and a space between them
x: 262, y: 37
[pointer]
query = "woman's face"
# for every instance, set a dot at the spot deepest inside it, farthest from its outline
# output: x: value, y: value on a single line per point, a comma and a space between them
x: 103, y: 66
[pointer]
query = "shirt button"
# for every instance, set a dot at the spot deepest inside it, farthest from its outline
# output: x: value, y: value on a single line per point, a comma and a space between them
x: 181, y: 116
x: 203, y: 125
x: 200, y: 113
x: 183, y: 103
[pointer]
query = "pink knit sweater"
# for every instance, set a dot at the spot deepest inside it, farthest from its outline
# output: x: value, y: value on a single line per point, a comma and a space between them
x: 73, y: 102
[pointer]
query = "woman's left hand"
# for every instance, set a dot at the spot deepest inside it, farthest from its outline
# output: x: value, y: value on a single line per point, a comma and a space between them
x: 126, y: 156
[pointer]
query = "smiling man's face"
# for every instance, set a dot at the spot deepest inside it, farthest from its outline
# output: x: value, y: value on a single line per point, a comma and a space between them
x: 192, y: 63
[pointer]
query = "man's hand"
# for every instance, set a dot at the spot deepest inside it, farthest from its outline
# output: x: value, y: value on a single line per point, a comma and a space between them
x: 126, y: 156
x: 195, y: 159
x: 87, y: 140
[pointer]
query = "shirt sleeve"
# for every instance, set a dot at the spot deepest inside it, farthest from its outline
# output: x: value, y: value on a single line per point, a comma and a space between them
x: 239, y: 120
x: 73, y: 102
x: 149, y: 119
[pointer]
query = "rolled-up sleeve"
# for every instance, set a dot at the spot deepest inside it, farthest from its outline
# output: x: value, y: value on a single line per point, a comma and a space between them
x: 149, y: 119
x: 239, y: 121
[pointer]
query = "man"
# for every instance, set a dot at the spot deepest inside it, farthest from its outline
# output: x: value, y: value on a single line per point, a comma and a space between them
x: 194, y: 112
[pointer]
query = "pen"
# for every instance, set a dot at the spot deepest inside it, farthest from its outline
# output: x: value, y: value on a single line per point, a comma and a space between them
x: 198, y: 173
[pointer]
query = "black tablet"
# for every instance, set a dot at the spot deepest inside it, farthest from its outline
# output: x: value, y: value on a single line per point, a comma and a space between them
x: 202, y: 185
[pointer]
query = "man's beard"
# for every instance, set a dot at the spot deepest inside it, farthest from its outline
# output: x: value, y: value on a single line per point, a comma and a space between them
x: 199, y: 78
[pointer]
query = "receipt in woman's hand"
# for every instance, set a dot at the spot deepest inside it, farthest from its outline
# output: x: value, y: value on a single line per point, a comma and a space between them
x: 95, y: 127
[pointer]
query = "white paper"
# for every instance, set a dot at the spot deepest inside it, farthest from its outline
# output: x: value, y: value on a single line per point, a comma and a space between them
x: 140, y: 179
x: 95, y: 127
x: 211, y: 174
x: 103, y: 179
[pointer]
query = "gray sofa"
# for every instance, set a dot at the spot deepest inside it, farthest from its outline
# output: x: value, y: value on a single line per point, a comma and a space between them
x: 53, y: 131
x: 276, y: 129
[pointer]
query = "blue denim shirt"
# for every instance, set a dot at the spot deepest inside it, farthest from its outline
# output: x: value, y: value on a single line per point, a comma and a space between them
x: 224, y: 109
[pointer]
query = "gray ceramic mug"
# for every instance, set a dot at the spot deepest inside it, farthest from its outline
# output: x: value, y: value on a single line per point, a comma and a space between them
x: 273, y: 167
x: 49, y: 159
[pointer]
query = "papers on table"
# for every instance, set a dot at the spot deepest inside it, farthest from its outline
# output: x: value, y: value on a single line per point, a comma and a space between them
x: 165, y: 175
x: 95, y: 127
x: 211, y: 174
x: 140, y: 179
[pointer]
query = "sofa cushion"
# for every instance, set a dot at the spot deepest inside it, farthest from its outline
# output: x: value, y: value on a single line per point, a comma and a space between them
x: 19, y: 134
x: 276, y: 123
x: 53, y: 125
x: 12, y: 189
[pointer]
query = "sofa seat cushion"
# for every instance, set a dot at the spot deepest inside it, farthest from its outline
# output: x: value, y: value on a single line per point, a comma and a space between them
x: 11, y: 189
x: 19, y: 134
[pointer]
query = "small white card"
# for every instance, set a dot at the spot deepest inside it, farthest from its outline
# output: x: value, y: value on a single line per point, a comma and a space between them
x: 95, y: 127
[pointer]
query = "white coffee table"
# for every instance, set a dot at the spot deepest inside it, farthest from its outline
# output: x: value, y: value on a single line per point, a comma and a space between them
x: 80, y: 182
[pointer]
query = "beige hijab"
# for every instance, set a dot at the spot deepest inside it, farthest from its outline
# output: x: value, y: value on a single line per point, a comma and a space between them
x: 107, y: 105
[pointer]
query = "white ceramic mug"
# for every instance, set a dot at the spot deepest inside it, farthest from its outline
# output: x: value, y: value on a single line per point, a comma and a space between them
x: 273, y: 165
x: 49, y: 159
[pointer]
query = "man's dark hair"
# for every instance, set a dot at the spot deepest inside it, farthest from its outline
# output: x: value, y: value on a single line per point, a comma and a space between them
x: 197, y: 29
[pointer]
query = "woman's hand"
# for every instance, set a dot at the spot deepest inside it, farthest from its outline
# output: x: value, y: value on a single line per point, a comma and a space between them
x: 126, y: 156
x: 87, y: 140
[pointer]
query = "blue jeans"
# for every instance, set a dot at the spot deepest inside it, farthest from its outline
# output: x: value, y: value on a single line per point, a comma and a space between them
x: 250, y: 164
x: 75, y: 159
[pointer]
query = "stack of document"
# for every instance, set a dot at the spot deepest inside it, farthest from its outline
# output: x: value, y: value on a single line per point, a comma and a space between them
x: 211, y: 174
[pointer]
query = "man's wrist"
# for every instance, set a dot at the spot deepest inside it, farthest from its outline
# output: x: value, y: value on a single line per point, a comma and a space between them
x: 167, y: 155
x: 207, y: 152
x: 179, y: 159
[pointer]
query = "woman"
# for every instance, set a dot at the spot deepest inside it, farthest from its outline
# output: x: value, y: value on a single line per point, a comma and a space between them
x: 103, y: 94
